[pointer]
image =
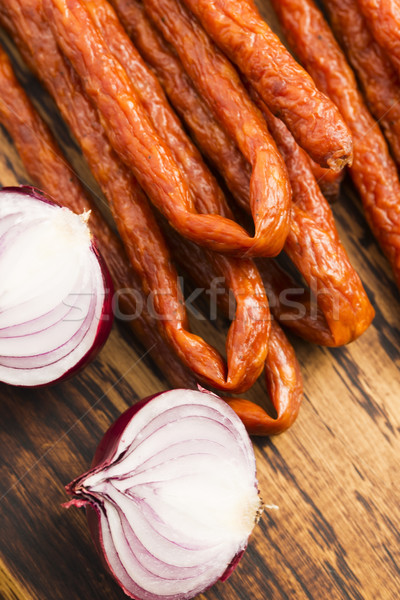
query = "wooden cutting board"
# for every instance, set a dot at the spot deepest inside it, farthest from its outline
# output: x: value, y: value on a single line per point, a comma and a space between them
x: 334, y: 477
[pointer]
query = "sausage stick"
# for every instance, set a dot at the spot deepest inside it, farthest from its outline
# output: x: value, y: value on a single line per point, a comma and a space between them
x: 210, y: 136
x: 202, y: 184
x: 383, y: 20
x: 373, y: 172
x: 285, y: 87
x: 378, y: 78
x: 284, y: 385
x: 135, y: 140
x: 282, y: 370
x: 218, y: 83
x: 314, y: 246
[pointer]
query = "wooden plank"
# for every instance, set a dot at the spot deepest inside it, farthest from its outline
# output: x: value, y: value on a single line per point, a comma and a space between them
x: 334, y: 475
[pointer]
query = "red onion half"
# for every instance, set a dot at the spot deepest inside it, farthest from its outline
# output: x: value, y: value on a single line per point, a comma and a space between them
x: 173, y: 497
x: 55, y: 294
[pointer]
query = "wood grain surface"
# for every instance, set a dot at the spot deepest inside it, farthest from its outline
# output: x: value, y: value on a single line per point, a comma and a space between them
x: 334, y: 476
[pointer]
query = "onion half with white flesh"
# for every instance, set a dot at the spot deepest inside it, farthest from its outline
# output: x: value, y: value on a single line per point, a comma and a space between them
x: 172, y: 497
x: 55, y: 291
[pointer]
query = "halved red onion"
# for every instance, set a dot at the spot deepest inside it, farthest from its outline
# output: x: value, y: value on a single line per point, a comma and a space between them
x: 172, y: 497
x: 55, y: 294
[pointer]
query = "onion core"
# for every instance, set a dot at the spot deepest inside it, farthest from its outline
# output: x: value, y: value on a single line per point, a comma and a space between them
x: 174, y: 493
x: 55, y: 294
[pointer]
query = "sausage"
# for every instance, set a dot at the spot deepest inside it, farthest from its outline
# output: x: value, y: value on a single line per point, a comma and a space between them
x: 373, y: 171
x: 135, y: 140
x: 202, y: 184
x: 282, y: 370
x: 210, y: 137
x: 379, y: 81
x: 285, y: 87
x: 48, y: 169
x: 285, y: 388
x: 251, y: 321
x: 143, y: 240
x: 383, y: 19
x: 314, y: 246
x: 218, y: 83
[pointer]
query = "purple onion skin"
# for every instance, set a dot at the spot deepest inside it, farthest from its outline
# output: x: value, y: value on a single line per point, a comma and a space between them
x: 30, y: 190
x: 107, y: 316
x: 104, y: 454
x: 107, y: 447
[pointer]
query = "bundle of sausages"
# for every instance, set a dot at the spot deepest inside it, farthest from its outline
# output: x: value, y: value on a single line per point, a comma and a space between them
x: 270, y: 134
